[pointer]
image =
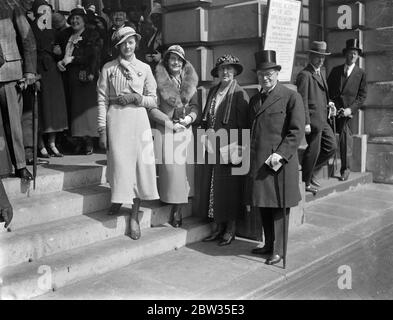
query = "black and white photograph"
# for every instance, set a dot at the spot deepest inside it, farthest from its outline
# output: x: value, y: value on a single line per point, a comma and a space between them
x: 196, y: 155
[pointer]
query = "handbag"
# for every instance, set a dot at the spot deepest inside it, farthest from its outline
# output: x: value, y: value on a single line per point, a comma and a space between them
x: 83, y: 76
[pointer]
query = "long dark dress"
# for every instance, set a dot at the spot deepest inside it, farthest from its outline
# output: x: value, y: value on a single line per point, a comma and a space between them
x: 53, y: 109
x: 82, y: 98
x: 221, y: 191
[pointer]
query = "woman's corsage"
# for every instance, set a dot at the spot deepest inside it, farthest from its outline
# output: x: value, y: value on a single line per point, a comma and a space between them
x: 76, y: 41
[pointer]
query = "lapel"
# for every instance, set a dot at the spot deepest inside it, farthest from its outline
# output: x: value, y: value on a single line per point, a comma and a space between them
x: 319, y: 80
x: 351, y: 76
x: 273, y: 97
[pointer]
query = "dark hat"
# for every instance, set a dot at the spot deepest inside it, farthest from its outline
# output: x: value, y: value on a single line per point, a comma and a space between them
x: 78, y: 11
x: 111, y: 6
x: 352, y: 44
x: 319, y: 47
x: 227, y: 59
x: 266, y: 59
x: 37, y: 4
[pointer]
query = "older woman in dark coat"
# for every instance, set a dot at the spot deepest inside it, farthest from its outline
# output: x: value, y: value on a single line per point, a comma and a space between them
x: 222, y: 191
x: 81, y: 59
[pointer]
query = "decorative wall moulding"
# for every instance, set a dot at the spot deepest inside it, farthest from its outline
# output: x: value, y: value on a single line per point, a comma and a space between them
x: 173, y: 5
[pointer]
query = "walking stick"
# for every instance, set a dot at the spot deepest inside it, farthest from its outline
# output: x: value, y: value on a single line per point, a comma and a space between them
x: 284, y: 258
x: 335, y: 152
x: 35, y: 134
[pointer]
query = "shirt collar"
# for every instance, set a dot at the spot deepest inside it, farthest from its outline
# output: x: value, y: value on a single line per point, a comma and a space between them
x: 316, y: 69
x: 270, y: 90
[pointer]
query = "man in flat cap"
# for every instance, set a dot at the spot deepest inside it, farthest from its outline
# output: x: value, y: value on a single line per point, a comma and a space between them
x: 277, y: 122
x: 348, y: 90
x: 318, y: 109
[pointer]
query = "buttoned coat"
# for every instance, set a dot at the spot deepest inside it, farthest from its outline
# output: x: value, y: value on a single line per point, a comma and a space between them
x: 348, y: 92
x: 314, y: 91
x: 14, y: 30
x: 277, y: 126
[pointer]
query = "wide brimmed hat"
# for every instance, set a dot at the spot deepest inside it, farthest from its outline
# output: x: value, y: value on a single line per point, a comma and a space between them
x: 225, y: 60
x: 37, y: 3
x: 78, y: 11
x: 319, y: 47
x: 111, y: 6
x: 266, y: 59
x: 123, y: 34
x: 178, y: 50
x: 352, y: 44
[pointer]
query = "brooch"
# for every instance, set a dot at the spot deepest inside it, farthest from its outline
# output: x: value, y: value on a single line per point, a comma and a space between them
x: 139, y: 74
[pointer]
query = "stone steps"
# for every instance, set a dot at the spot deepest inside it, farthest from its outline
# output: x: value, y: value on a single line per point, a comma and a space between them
x: 28, y: 280
x: 34, y: 242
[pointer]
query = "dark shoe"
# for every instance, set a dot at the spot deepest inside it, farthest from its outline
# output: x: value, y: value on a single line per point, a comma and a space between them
x: 263, y: 250
x: 43, y: 153
x: 314, y: 181
x: 54, y: 152
x: 177, y: 219
x: 226, y: 239
x: 114, y: 209
x: 311, y: 189
x: 30, y: 162
x: 345, y: 175
x: 273, y: 259
x: 24, y: 174
x: 89, y: 146
x: 213, y: 237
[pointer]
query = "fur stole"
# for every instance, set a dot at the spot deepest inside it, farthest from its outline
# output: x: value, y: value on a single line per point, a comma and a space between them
x: 168, y: 90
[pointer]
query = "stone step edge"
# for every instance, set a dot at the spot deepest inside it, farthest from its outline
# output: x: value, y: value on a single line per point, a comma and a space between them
x: 17, y: 189
x: 340, y: 186
x: 42, y: 240
x: 29, y: 280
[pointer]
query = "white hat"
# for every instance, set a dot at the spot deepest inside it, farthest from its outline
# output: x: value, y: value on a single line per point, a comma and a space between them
x: 123, y: 34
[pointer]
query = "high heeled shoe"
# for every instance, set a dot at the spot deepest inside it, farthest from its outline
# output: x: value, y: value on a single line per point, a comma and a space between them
x: 227, y: 239
x: 43, y: 153
x: 55, y: 152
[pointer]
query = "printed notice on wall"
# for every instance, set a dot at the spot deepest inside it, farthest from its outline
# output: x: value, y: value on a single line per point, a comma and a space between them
x: 281, y: 33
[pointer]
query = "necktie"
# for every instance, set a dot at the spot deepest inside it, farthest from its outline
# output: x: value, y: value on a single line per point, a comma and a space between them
x: 346, y: 71
x: 264, y: 96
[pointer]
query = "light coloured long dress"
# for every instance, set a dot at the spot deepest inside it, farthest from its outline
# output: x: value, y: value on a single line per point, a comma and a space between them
x: 131, y: 168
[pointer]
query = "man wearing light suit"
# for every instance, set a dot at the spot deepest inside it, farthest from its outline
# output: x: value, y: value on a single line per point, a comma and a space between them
x: 321, y: 141
x: 348, y: 90
x: 19, y: 62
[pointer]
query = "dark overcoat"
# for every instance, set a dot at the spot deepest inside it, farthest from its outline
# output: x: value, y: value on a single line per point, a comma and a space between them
x: 277, y: 126
x: 82, y: 99
x: 348, y: 92
x: 228, y: 188
x: 314, y: 91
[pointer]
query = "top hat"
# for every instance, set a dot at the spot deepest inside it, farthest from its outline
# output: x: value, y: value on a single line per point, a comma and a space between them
x: 224, y: 60
x: 176, y: 49
x: 266, y: 59
x: 37, y: 4
x: 123, y: 34
x: 352, y: 44
x: 319, y: 47
x: 78, y: 11
x: 111, y: 6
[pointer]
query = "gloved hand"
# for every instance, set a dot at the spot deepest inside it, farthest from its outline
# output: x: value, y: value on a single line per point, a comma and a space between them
x: 30, y: 78
x: 131, y: 98
x: 102, y: 141
x: 332, y: 110
x: 177, y: 127
x: 61, y: 66
x: 185, y: 121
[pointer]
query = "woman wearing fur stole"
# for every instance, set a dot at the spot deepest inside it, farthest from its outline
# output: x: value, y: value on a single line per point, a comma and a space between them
x: 177, y: 83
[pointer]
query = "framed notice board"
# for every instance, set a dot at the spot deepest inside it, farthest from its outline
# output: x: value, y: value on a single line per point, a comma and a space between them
x: 282, y: 32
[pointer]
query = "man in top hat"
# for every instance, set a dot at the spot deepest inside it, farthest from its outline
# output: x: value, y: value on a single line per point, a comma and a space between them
x: 320, y: 138
x: 348, y: 90
x: 20, y: 63
x: 277, y: 122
